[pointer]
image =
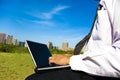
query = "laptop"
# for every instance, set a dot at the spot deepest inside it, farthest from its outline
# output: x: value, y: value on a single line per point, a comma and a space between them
x: 40, y: 55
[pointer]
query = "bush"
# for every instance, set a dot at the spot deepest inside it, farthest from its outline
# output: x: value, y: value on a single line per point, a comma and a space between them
x: 21, y: 50
x: 18, y: 49
x: 6, y: 48
x: 57, y: 51
x: 12, y: 49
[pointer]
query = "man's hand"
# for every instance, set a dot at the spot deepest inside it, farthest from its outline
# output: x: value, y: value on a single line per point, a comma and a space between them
x: 60, y: 59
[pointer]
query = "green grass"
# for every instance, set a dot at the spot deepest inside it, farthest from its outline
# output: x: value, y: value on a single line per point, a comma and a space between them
x: 15, y: 66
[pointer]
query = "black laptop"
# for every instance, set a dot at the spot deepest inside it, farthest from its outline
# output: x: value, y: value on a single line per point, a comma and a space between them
x: 40, y: 55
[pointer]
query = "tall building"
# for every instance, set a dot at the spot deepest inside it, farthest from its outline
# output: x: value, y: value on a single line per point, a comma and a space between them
x: 15, y: 42
x: 50, y: 45
x: 22, y: 44
x: 2, y: 38
x: 9, y: 39
x: 65, y: 45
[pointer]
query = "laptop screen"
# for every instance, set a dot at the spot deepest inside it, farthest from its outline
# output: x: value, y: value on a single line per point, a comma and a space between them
x: 39, y: 52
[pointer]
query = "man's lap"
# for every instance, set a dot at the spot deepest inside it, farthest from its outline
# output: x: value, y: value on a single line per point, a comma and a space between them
x: 65, y: 74
x: 60, y: 75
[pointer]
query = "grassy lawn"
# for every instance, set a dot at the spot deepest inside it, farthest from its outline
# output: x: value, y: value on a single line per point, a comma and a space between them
x: 15, y: 66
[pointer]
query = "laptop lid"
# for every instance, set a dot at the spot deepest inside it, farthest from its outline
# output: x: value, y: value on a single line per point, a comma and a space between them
x: 39, y: 53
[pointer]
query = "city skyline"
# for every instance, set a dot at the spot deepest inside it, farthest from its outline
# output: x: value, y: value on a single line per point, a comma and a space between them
x: 11, y: 40
x: 44, y: 20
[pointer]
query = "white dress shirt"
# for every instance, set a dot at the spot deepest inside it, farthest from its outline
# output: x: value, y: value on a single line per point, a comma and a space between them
x: 102, y: 53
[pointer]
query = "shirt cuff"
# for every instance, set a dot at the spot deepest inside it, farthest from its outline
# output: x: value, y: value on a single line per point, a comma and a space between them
x: 77, y: 63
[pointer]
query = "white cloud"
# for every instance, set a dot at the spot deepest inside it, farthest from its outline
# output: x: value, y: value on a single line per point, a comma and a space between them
x: 45, y: 18
x: 54, y: 11
x: 45, y: 23
x: 47, y: 15
x: 58, y: 8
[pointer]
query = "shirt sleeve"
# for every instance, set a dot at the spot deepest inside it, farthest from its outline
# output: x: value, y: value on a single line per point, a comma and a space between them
x: 102, y: 54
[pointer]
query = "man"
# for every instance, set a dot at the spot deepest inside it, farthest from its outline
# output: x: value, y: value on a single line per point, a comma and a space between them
x: 101, y: 58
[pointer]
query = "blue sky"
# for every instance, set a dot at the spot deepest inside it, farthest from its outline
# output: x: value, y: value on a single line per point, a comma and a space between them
x: 47, y: 20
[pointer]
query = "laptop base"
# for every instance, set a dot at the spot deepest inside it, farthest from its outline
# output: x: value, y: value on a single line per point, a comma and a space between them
x: 44, y: 70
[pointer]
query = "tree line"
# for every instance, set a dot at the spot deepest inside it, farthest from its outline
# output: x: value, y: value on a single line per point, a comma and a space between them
x: 12, y: 49
x: 19, y: 49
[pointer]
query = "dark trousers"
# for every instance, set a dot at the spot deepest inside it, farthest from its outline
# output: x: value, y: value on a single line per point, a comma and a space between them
x: 65, y: 74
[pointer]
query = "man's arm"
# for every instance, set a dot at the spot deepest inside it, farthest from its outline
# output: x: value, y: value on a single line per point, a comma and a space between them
x: 102, y: 56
